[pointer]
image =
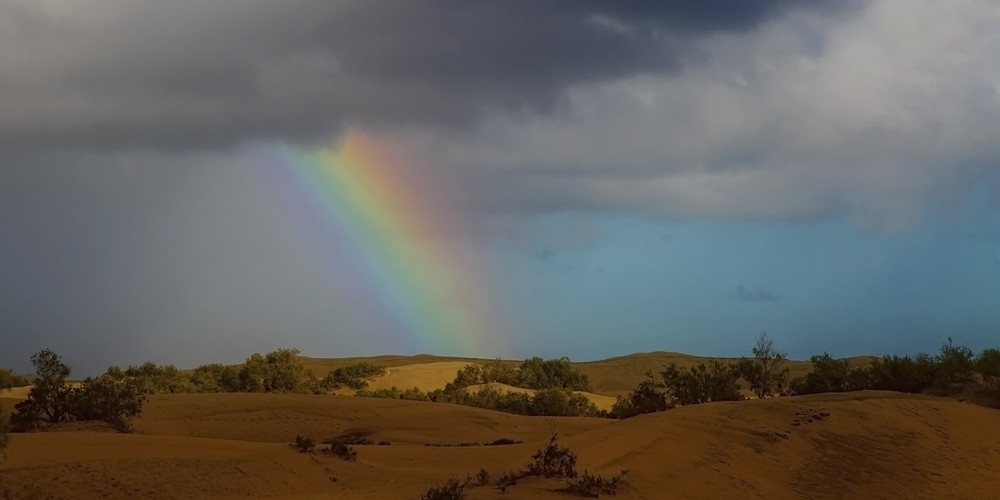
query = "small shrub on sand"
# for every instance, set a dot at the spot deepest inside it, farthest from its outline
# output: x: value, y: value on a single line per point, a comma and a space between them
x: 304, y: 444
x: 552, y: 461
x: 4, y: 433
x: 453, y: 489
x: 507, y: 479
x: 501, y: 442
x: 344, y: 451
x: 589, y: 485
x: 483, y: 477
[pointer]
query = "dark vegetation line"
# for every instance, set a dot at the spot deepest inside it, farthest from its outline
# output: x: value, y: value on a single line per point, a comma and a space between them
x: 117, y: 396
x: 955, y: 371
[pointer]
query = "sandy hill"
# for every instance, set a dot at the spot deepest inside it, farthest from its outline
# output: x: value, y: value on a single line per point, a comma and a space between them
x: 854, y: 445
x: 608, y: 377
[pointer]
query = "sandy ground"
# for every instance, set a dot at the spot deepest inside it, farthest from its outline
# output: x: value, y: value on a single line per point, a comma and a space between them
x: 855, y: 445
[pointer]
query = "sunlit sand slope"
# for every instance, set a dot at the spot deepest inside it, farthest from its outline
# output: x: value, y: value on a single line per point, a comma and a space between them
x: 860, y: 445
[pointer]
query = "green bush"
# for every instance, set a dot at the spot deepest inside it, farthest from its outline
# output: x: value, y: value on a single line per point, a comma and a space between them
x: 413, y: 394
x: 113, y: 397
x: 648, y: 397
x: 715, y: 381
x: 763, y: 372
x: 276, y: 371
x: 482, y: 477
x: 113, y: 401
x: 153, y: 379
x: 49, y: 400
x: 354, y: 376
x: 902, y: 373
x: 4, y: 432
x: 589, y: 485
x: 552, y: 461
x: 536, y: 373
x: 453, y: 489
x: 304, y: 444
x: 827, y: 375
x: 215, y: 378
x: 954, y: 368
x: 344, y: 451
x: 987, y: 363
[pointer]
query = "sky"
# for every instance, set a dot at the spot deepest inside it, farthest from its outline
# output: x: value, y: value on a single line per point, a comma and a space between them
x: 192, y: 181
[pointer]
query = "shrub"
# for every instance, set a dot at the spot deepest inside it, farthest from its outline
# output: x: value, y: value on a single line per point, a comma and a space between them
x: 215, y: 378
x: 589, y: 485
x: 502, y: 442
x: 10, y: 379
x: 413, y: 394
x: 113, y: 401
x: 48, y: 401
x: 276, y: 371
x: 508, y: 478
x: 827, y: 375
x: 536, y: 373
x: 987, y: 363
x: 482, y: 477
x: 762, y: 372
x: 112, y: 397
x: 344, y: 451
x: 902, y: 373
x: 304, y: 444
x: 153, y: 379
x: 647, y: 397
x: 561, y: 402
x: 954, y: 368
x: 453, y: 489
x: 715, y: 381
x: 354, y: 376
x: 4, y: 432
x: 552, y: 461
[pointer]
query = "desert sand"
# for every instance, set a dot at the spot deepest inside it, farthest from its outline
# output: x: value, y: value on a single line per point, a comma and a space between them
x: 851, y: 445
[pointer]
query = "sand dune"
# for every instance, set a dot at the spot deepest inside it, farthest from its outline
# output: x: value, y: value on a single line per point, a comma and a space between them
x: 424, y: 376
x: 15, y: 393
x: 855, y: 445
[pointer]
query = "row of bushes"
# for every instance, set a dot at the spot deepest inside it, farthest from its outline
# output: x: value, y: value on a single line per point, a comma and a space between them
x: 534, y: 373
x: 547, y: 402
x: 955, y: 370
x: 51, y: 400
x: 276, y: 371
x: 552, y: 461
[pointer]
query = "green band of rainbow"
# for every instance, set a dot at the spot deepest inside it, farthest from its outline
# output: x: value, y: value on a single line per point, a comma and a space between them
x: 375, y: 221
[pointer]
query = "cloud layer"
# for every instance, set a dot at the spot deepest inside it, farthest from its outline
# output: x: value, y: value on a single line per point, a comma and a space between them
x: 118, y: 73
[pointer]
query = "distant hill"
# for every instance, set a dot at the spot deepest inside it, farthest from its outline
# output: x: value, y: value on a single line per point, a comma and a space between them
x: 608, y: 377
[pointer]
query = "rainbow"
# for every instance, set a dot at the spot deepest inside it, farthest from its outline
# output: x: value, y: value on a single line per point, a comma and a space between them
x: 380, y: 227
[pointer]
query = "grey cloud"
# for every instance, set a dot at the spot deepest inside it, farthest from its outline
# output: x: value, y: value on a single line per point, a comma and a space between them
x: 202, y: 74
x: 744, y: 294
x: 806, y: 118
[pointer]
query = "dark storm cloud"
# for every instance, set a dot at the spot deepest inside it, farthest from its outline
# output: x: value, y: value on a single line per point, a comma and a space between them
x: 193, y: 73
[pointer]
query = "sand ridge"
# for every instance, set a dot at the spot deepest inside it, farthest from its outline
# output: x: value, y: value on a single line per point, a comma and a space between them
x: 867, y: 444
